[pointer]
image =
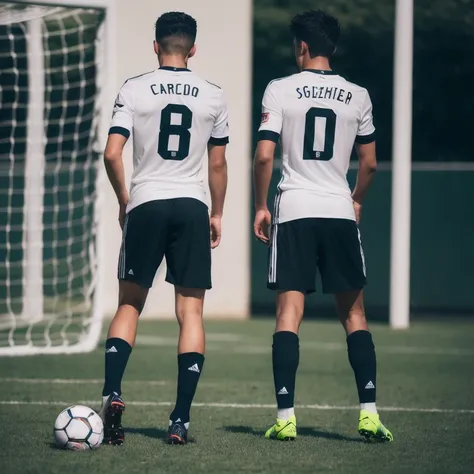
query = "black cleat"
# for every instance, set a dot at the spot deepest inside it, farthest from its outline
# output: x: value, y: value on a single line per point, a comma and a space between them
x: 111, y: 414
x: 177, y: 433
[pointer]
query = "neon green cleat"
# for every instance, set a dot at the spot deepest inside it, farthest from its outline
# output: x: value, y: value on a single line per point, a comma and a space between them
x: 283, y: 430
x: 371, y: 428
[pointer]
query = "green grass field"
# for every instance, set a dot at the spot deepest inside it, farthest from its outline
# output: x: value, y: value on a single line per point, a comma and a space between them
x: 425, y: 396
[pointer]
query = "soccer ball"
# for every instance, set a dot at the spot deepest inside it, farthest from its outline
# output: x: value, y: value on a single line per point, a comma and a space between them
x: 78, y: 428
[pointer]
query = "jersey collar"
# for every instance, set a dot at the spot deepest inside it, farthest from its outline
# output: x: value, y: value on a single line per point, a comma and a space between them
x: 321, y: 71
x: 174, y: 69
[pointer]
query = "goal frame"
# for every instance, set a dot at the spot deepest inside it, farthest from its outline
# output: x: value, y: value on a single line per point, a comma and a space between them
x: 33, y: 252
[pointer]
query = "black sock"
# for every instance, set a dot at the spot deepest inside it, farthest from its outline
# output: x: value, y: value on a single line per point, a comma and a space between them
x: 189, y: 370
x: 361, y: 352
x: 117, y: 352
x: 285, y: 356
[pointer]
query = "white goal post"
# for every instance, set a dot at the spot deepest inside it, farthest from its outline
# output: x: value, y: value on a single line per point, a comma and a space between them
x: 402, y: 167
x: 57, y: 75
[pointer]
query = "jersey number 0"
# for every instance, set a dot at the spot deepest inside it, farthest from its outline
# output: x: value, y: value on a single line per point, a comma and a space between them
x: 309, y: 146
x: 182, y: 131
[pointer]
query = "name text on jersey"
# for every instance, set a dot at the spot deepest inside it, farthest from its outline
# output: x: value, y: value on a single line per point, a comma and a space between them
x: 324, y: 92
x: 176, y: 89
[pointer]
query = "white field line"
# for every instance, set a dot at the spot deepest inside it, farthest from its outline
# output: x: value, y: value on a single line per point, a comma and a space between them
x: 75, y: 381
x: 33, y: 381
x: 253, y: 347
x: 336, y: 346
x: 145, y: 340
x: 242, y: 406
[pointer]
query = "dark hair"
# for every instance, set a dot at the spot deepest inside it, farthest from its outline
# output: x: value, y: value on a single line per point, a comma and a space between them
x: 318, y: 30
x: 175, y: 32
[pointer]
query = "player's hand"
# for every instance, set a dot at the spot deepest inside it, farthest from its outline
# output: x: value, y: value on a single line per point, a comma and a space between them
x: 357, y: 210
x: 261, y: 225
x: 122, y: 213
x: 215, y: 223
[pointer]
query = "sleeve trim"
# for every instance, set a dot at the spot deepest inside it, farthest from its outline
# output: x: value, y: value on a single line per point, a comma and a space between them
x: 365, y: 139
x: 120, y: 131
x: 268, y: 135
x: 218, y: 141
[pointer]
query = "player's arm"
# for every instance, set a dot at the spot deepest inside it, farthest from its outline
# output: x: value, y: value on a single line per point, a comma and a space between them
x: 268, y: 136
x: 217, y: 187
x: 216, y: 149
x: 365, y: 175
x: 365, y: 149
x: 120, y: 130
x: 114, y: 166
x: 262, y: 175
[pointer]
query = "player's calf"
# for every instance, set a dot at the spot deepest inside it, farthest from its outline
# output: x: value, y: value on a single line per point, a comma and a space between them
x: 190, y: 367
x: 191, y: 346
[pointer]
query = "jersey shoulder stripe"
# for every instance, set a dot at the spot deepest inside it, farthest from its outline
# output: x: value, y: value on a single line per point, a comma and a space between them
x: 212, y: 84
x: 353, y: 84
x: 279, y: 79
x: 140, y: 75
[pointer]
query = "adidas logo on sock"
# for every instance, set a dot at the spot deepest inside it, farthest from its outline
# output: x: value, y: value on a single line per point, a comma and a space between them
x: 130, y: 272
x: 111, y: 349
x: 194, y: 368
x: 283, y: 391
x: 369, y: 385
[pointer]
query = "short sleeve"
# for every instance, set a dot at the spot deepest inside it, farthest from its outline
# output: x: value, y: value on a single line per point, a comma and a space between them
x: 220, y: 131
x: 366, y: 131
x: 122, y: 116
x: 272, y: 115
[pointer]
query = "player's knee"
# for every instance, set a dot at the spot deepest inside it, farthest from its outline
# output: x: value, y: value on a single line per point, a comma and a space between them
x: 189, y: 316
x: 131, y: 294
x: 134, y: 301
x: 289, y: 318
x: 356, y: 315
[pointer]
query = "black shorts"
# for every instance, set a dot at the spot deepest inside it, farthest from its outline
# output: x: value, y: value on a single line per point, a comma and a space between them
x: 300, y: 247
x: 177, y: 229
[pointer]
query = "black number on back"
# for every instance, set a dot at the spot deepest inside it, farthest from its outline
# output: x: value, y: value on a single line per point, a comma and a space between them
x: 309, y: 152
x: 181, y: 131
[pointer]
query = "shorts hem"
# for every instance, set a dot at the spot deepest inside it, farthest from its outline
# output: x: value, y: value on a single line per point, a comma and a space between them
x: 173, y: 282
x: 332, y: 291
x: 140, y: 283
x: 277, y: 287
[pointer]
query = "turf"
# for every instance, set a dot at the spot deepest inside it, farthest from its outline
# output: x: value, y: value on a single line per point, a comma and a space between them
x: 428, y: 367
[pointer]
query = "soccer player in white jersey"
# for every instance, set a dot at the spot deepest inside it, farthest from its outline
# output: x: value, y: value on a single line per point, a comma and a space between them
x: 317, y: 116
x: 173, y: 116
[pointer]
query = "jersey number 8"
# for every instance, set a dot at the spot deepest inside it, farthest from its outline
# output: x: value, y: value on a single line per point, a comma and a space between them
x: 181, y: 131
x: 309, y: 146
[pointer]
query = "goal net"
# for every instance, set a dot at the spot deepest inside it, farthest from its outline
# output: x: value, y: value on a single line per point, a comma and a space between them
x: 49, y: 168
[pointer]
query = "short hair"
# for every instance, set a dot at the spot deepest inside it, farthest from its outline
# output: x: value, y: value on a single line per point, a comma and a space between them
x: 175, y: 32
x: 318, y: 30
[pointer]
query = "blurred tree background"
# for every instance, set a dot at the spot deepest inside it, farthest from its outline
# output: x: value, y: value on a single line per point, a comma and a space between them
x: 443, y: 82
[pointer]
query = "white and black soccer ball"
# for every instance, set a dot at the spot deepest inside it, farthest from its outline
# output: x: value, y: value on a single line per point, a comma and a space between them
x: 78, y: 428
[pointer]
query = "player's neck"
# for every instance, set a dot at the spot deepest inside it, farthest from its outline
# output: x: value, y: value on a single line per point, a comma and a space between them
x: 173, y: 61
x: 319, y: 62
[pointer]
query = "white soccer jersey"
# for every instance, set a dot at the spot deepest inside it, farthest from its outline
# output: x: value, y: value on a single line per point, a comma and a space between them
x: 318, y: 116
x: 172, y: 115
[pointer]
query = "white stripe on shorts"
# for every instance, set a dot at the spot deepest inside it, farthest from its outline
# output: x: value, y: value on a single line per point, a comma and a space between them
x: 122, y: 250
x: 272, y: 270
x: 361, y: 252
